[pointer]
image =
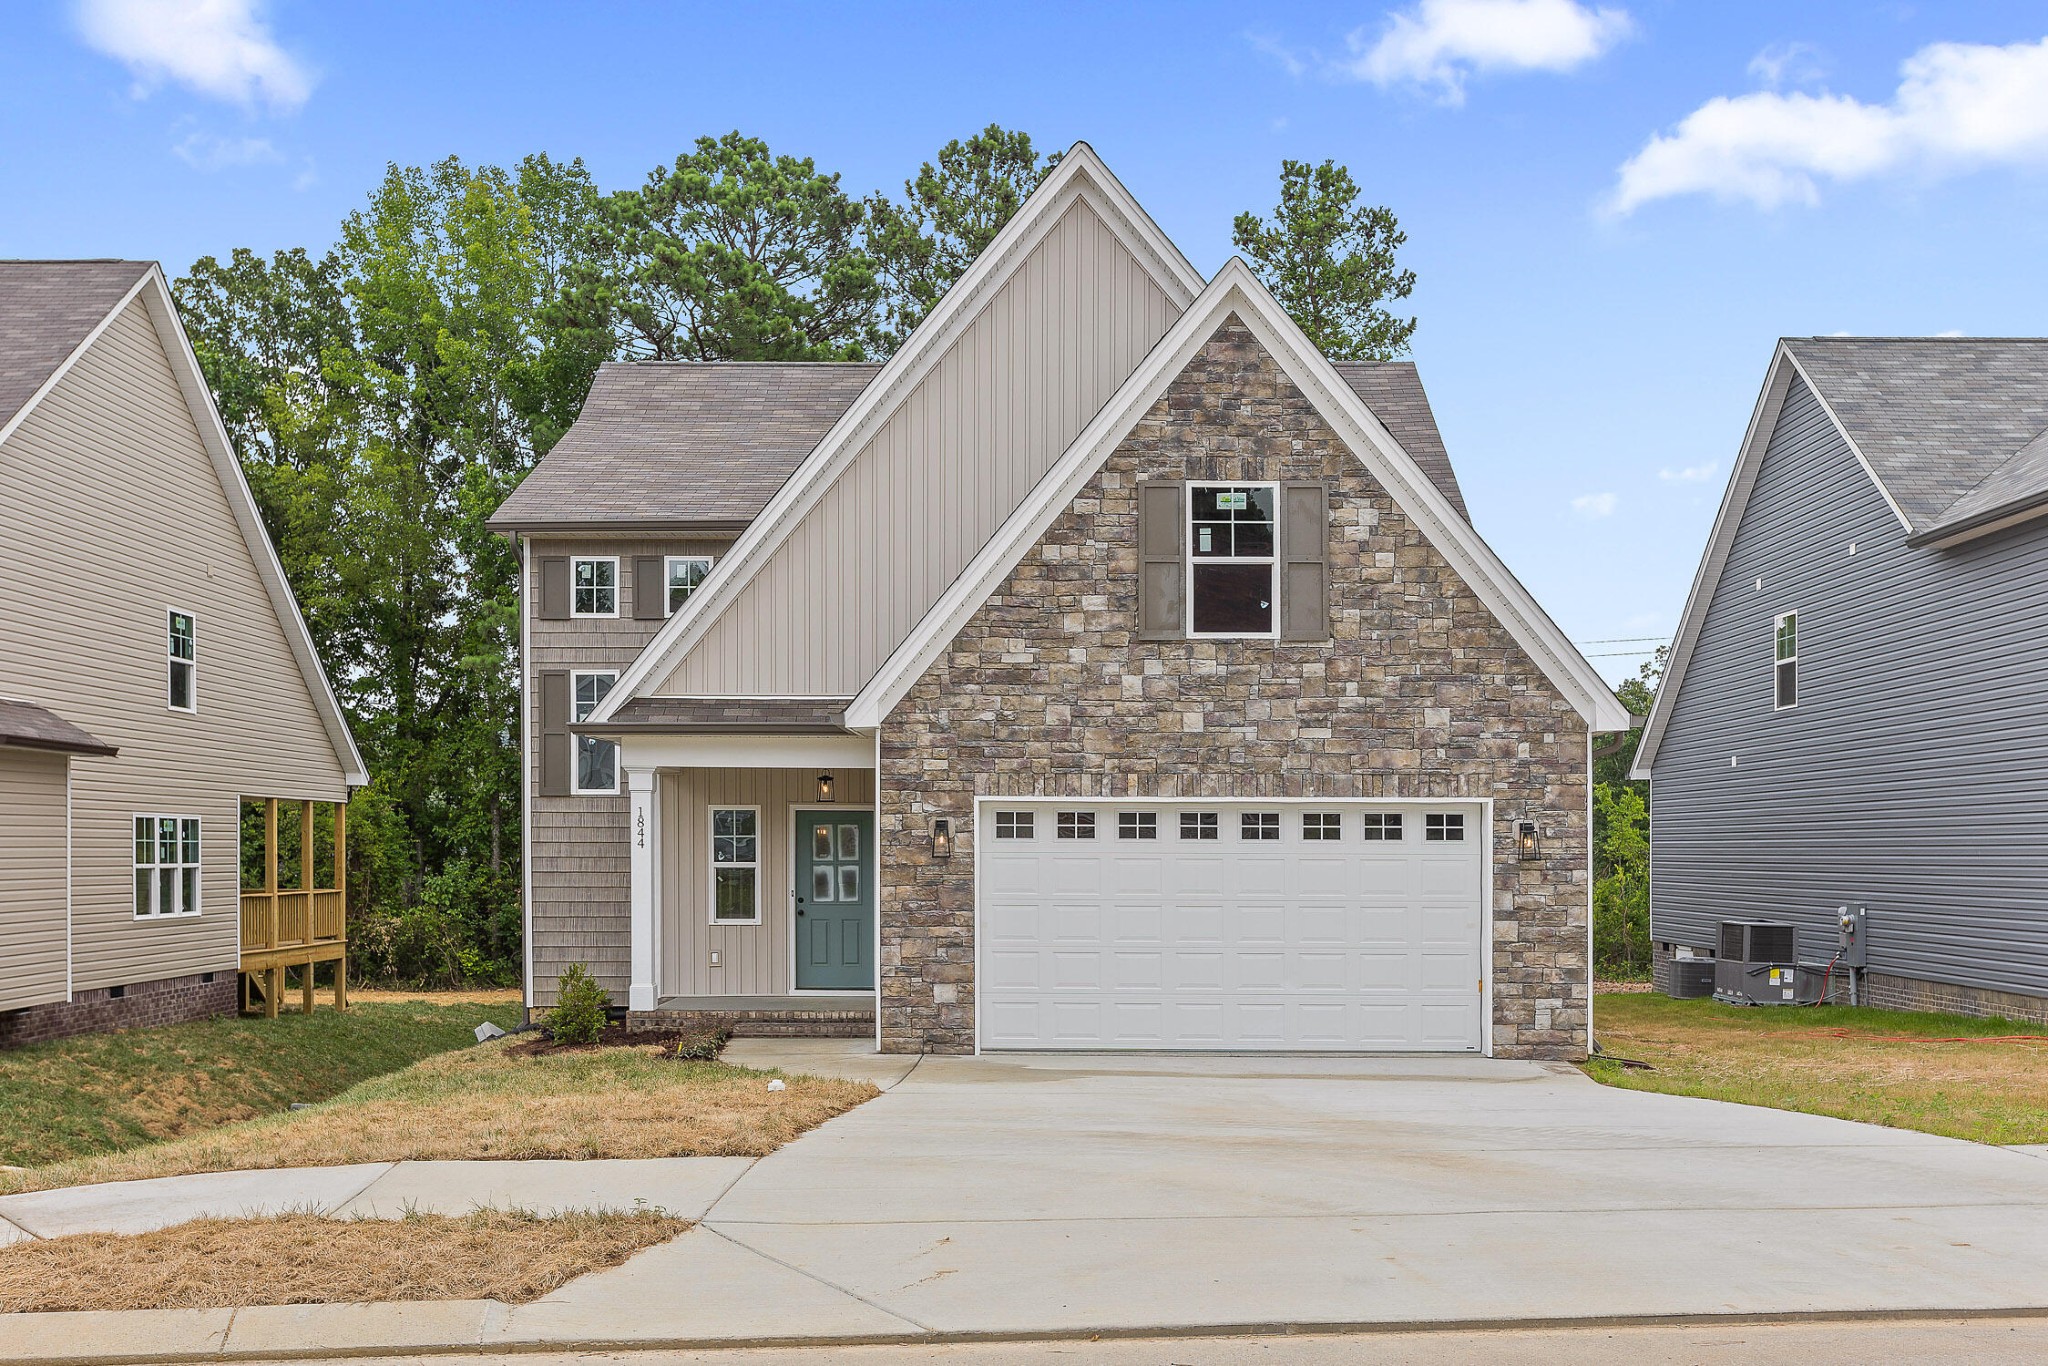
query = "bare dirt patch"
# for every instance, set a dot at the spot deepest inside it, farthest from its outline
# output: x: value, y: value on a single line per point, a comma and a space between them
x: 307, y: 1259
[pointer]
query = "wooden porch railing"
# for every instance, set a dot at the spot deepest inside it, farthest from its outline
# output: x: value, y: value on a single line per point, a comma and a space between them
x: 285, y: 927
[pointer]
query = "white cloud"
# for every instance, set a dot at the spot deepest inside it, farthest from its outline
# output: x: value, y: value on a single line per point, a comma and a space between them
x: 1442, y: 42
x: 1958, y: 106
x: 1692, y: 474
x: 209, y: 152
x: 220, y: 48
x: 1595, y: 504
x: 1783, y: 64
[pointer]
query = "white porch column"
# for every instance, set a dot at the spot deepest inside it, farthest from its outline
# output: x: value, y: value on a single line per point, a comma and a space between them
x: 644, y: 833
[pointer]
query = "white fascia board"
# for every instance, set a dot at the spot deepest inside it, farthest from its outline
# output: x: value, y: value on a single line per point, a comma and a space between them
x: 746, y: 751
x: 1236, y: 290
x: 48, y: 386
x: 1763, y: 423
x: 213, y: 434
x: 1080, y: 174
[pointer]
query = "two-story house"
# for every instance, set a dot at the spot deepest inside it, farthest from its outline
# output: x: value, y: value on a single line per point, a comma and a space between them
x: 155, y: 675
x: 1851, y: 715
x: 1108, y: 669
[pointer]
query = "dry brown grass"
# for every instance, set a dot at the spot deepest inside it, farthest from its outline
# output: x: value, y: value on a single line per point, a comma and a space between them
x: 479, y: 996
x: 307, y: 1259
x: 483, y: 1102
x: 1984, y: 1080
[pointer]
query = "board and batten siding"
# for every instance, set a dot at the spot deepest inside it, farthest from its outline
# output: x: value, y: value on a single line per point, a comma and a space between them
x: 753, y: 960
x: 578, y: 864
x: 113, y: 513
x: 958, y: 455
x: 1912, y: 776
x: 35, y: 932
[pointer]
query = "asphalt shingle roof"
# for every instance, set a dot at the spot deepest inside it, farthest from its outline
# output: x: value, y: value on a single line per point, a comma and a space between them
x: 707, y: 445
x: 46, y: 309
x: 779, y: 715
x: 1950, y: 425
x: 32, y: 727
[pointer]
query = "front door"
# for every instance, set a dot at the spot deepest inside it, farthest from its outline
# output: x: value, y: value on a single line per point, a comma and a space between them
x: 835, y: 900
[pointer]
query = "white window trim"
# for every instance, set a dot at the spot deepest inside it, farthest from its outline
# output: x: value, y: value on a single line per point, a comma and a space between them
x: 611, y: 560
x: 1187, y: 522
x: 668, y: 569
x: 171, y: 663
x: 156, y: 883
x: 712, y: 865
x: 576, y: 787
x: 1777, y: 623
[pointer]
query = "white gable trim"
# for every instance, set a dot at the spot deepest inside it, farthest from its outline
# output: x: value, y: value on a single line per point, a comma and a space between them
x: 1080, y: 175
x: 1236, y: 290
x: 1763, y: 424
x: 44, y: 390
x: 213, y: 434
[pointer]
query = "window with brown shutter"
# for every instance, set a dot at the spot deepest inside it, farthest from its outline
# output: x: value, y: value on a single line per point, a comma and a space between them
x: 555, y: 755
x: 1305, y: 556
x: 1161, y: 569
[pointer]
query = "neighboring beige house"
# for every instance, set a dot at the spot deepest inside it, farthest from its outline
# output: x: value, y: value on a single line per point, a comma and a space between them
x: 155, y: 674
x: 1107, y: 670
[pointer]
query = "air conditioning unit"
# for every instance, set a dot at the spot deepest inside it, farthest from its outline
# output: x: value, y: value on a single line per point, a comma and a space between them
x: 1758, y: 963
x: 1692, y: 978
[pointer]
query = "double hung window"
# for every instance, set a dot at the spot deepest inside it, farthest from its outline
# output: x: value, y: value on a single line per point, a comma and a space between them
x: 1232, y: 549
x: 1785, y: 661
x: 735, y: 863
x: 183, y: 644
x: 597, y: 761
x: 166, y: 865
x: 685, y: 572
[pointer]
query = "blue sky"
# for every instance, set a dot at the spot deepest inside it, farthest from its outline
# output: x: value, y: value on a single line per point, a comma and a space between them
x: 1593, y: 337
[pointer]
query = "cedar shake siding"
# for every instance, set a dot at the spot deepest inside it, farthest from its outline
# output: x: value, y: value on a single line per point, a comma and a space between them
x: 114, y: 513
x: 576, y: 851
x: 1050, y: 690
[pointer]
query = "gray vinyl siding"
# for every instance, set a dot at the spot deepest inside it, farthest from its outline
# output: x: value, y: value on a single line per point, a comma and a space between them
x: 113, y: 512
x: 1913, y: 774
x: 754, y: 960
x: 951, y: 462
x: 578, y: 864
x: 35, y: 948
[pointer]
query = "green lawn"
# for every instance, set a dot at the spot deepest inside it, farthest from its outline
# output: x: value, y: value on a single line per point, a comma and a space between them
x: 1941, y: 1074
x: 104, y: 1093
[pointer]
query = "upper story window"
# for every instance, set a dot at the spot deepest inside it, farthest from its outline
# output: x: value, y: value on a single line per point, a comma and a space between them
x: 685, y: 572
x: 1785, y: 660
x: 1231, y: 551
x: 597, y: 761
x: 594, y: 586
x: 166, y: 865
x: 184, y: 659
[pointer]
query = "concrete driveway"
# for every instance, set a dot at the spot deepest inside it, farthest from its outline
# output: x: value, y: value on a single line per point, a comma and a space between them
x: 1061, y: 1194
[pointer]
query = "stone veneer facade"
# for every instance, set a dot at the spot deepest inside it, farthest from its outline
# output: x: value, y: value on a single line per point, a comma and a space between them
x: 1421, y: 693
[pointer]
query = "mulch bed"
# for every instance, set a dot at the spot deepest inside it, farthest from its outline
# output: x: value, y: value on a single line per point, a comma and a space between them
x: 684, y: 1045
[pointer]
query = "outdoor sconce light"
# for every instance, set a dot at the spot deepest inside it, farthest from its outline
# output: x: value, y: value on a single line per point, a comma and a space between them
x: 1526, y: 845
x: 824, y: 787
x: 942, y: 838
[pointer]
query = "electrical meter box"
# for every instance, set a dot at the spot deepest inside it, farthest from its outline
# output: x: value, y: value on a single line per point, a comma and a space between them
x: 1850, y: 944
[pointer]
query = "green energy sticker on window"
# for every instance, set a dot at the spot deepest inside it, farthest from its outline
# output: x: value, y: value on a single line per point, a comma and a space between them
x: 1231, y: 502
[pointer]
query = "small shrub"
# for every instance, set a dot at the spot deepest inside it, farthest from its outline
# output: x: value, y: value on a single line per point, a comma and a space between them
x: 580, y: 1006
x: 703, y: 1047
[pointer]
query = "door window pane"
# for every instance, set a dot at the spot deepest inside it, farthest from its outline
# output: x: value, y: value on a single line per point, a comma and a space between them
x: 821, y: 842
x: 849, y: 841
x: 821, y: 882
x: 849, y: 882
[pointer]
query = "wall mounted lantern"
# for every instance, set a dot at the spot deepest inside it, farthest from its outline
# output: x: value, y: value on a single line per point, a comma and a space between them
x: 942, y: 838
x: 1526, y: 846
x: 824, y: 787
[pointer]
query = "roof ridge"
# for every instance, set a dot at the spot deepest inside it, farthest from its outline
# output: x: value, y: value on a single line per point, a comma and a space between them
x: 1904, y: 337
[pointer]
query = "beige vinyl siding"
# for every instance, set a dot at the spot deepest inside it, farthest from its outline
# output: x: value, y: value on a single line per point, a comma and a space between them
x: 754, y: 960
x: 113, y: 513
x: 956, y: 457
x: 577, y: 861
x: 34, y: 934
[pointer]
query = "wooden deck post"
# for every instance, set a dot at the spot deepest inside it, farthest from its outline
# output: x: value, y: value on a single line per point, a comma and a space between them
x: 306, y: 881
x: 341, y: 886
x: 270, y: 865
x: 273, y: 989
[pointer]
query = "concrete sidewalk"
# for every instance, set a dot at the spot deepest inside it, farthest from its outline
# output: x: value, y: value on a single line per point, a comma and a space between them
x: 1030, y: 1197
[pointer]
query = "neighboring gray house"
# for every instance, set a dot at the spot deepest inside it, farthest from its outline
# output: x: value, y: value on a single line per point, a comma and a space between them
x: 1856, y: 704
x: 1106, y: 670
x: 154, y: 672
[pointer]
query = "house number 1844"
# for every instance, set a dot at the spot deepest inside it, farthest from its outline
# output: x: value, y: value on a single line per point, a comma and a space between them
x: 640, y: 827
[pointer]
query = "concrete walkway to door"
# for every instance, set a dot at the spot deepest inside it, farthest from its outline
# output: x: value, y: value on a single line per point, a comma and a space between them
x: 1020, y: 1195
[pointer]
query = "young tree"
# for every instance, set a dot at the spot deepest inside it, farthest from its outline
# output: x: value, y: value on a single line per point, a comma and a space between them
x: 1330, y: 263
x: 731, y: 254
x: 1621, y: 839
x: 950, y: 212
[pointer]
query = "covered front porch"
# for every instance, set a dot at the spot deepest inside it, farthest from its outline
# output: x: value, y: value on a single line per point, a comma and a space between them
x: 753, y: 889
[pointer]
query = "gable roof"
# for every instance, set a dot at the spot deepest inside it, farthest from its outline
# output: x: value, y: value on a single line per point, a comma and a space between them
x: 686, y: 445
x: 1393, y: 390
x: 48, y: 311
x: 40, y: 288
x: 1953, y: 432
x: 28, y: 726
x: 1236, y: 291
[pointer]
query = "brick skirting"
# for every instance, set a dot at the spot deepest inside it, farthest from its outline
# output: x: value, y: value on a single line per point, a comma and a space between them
x: 1888, y: 991
x: 141, y: 1005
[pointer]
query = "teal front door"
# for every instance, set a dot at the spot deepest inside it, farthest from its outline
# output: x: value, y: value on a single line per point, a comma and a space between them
x: 835, y: 900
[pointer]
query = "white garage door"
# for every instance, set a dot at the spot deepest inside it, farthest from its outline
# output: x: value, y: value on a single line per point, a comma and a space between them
x: 1338, y: 926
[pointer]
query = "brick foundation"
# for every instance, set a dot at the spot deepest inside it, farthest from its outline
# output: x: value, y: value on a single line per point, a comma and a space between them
x: 1888, y: 991
x: 1421, y: 693
x: 141, y: 1005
